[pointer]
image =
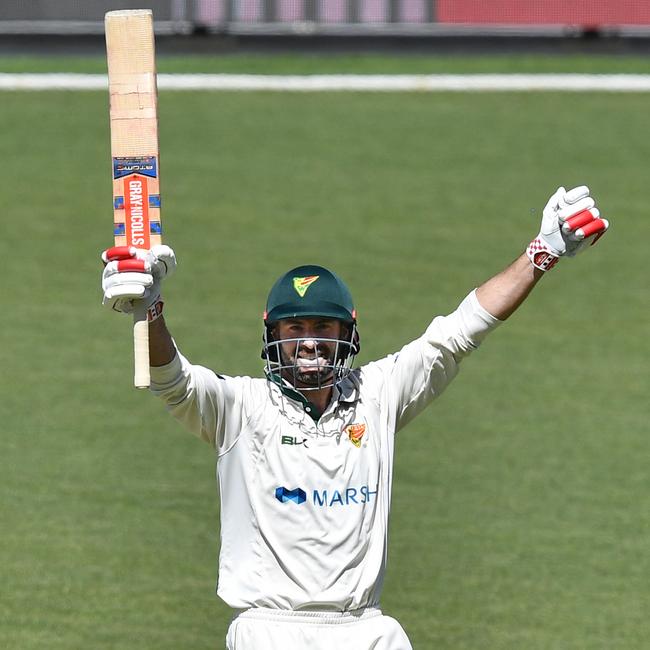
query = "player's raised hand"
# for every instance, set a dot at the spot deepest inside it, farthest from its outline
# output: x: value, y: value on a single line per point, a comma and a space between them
x: 132, y: 274
x: 570, y: 223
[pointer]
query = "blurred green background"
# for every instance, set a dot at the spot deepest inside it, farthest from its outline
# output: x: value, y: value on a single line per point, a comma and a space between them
x: 521, y: 504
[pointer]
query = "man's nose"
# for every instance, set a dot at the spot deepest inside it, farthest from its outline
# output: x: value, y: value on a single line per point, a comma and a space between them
x: 309, y: 343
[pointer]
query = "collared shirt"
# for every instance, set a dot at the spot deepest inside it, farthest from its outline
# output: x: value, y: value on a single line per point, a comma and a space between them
x: 314, y: 412
x: 304, y: 501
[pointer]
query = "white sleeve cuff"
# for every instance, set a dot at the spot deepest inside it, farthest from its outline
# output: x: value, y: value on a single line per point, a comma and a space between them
x: 165, y: 376
x: 477, y: 321
x: 464, y: 329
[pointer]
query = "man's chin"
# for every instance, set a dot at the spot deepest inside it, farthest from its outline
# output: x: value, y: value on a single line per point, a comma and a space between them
x: 313, y: 379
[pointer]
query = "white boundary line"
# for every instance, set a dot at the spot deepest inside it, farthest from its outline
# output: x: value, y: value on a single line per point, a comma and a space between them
x: 347, y: 82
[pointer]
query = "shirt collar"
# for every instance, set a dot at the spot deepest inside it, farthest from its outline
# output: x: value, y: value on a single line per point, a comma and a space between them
x: 346, y: 391
x: 289, y: 391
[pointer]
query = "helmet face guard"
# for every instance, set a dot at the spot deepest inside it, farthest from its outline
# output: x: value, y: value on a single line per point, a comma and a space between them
x: 310, y: 363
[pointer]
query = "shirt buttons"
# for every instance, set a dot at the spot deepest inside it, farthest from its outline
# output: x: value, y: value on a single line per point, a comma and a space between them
x: 308, y: 409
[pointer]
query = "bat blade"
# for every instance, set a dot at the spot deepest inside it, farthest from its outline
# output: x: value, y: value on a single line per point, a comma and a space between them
x: 130, y: 51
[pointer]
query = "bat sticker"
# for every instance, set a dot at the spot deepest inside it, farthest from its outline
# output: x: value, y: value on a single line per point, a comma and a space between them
x: 145, y: 165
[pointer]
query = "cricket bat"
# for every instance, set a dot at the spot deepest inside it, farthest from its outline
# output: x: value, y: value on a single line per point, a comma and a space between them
x: 134, y: 148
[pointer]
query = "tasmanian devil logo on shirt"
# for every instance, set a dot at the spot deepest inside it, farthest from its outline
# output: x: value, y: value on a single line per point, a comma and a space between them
x: 302, y: 284
x: 355, y: 433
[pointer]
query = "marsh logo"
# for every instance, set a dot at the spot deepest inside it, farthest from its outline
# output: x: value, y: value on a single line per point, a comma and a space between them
x: 282, y: 494
x: 349, y: 496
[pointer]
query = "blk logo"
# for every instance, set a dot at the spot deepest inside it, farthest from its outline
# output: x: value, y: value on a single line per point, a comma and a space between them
x: 291, y: 440
x: 282, y: 494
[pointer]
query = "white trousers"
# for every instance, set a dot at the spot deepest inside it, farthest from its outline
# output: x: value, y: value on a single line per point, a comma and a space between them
x: 272, y: 629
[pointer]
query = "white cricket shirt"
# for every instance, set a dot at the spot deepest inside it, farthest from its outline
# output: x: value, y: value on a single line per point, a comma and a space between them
x: 304, y: 501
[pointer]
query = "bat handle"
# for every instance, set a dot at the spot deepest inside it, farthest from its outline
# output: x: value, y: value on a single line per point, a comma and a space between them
x: 141, y: 346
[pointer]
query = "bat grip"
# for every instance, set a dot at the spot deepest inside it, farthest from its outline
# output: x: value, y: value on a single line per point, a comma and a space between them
x: 141, y: 346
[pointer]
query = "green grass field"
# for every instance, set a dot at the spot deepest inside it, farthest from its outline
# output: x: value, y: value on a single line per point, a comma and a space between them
x: 360, y: 63
x: 521, y: 508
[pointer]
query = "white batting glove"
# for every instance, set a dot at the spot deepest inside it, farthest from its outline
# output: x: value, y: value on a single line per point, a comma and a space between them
x: 570, y: 223
x: 133, y: 274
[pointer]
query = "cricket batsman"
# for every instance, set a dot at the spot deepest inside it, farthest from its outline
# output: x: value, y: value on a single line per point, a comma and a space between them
x: 305, y: 454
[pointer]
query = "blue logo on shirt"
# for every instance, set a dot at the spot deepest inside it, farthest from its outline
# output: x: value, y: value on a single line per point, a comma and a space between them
x: 282, y: 494
x: 327, y: 499
x: 345, y: 497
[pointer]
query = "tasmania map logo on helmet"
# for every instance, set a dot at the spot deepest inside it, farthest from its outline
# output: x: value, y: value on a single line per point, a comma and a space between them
x: 302, y: 284
x: 310, y: 329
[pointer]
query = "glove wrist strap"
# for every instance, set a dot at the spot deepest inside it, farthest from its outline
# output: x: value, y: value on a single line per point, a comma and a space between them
x: 155, y: 310
x: 540, y: 255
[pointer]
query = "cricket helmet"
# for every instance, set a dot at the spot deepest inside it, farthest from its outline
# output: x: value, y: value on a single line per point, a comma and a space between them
x: 305, y: 292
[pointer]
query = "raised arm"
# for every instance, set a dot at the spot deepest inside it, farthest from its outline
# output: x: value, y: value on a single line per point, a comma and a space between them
x: 570, y: 223
x: 161, y: 346
x: 503, y: 293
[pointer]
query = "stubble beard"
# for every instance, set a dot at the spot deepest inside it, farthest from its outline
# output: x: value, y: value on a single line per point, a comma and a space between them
x: 311, y: 373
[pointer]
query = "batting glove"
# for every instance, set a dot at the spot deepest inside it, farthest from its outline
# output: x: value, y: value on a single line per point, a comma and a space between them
x: 132, y: 274
x: 570, y: 223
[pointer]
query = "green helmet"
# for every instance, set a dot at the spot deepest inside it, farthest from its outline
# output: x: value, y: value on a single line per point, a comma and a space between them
x: 309, y: 291
x: 304, y: 292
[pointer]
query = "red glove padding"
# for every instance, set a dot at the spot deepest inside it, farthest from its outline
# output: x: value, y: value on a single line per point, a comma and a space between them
x: 132, y: 274
x: 585, y: 225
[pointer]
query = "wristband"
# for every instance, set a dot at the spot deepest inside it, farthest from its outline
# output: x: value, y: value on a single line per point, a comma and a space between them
x: 155, y: 310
